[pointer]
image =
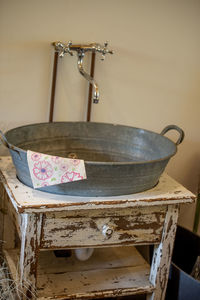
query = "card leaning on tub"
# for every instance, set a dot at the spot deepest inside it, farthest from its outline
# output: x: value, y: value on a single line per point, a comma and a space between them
x: 50, y: 170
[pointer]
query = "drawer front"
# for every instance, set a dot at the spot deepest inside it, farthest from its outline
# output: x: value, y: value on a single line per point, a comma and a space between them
x: 95, y: 229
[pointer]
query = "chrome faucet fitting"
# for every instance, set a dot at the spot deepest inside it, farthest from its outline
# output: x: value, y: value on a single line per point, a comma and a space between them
x: 63, y: 49
x: 88, y: 77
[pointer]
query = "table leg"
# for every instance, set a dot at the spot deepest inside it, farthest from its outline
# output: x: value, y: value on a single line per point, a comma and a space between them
x: 7, y: 228
x: 30, y: 242
x: 162, y: 255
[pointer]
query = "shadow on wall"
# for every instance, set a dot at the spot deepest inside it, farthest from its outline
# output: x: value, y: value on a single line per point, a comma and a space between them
x: 185, y: 166
x: 192, y: 175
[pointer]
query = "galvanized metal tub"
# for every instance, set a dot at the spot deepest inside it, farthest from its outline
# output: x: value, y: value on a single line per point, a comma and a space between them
x: 118, y: 159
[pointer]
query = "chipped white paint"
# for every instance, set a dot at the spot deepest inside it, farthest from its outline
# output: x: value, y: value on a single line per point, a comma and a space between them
x: 30, y: 242
x: 24, y: 223
x: 50, y: 221
x: 129, y: 226
x: 162, y: 255
x: 112, y: 271
x: 168, y: 191
x: 12, y: 215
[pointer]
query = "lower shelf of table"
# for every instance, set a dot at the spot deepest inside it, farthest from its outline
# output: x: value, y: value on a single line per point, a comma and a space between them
x: 110, y: 272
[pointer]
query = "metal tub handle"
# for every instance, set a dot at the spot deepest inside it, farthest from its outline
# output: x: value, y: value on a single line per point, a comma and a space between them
x: 4, y: 140
x: 10, y: 147
x: 174, y: 127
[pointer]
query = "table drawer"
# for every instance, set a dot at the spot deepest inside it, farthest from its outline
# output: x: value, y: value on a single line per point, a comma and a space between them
x: 103, y: 228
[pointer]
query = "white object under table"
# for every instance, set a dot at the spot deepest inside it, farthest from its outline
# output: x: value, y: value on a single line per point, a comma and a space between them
x: 34, y: 223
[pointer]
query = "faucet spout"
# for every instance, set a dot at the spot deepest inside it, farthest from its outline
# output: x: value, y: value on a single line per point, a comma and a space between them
x: 63, y: 49
x: 88, y: 77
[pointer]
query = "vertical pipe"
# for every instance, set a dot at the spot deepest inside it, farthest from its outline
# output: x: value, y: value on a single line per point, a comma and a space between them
x: 91, y: 87
x: 53, y: 86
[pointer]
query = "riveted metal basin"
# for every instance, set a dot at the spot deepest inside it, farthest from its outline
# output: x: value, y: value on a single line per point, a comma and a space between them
x: 118, y: 159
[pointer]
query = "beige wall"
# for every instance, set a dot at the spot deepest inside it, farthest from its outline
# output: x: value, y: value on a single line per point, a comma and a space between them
x: 152, y: 80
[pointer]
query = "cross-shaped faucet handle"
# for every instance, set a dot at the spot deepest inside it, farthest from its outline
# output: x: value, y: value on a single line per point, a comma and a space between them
x: 63, y: 48
x: 105, y: 50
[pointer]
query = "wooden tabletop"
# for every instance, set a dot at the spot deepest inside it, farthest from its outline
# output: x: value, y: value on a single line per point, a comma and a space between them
x: 26, y: 199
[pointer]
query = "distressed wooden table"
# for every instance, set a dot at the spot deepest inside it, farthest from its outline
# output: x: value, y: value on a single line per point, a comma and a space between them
x: 34, y: 223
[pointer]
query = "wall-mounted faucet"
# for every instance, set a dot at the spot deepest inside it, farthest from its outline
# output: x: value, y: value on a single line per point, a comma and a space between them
x: 63, y: 49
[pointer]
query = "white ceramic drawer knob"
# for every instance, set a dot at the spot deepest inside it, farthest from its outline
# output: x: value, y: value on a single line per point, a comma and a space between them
x: 107, y: 231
